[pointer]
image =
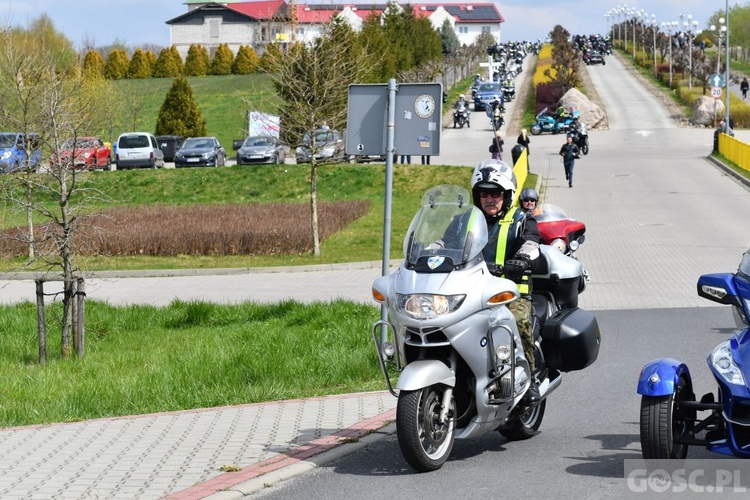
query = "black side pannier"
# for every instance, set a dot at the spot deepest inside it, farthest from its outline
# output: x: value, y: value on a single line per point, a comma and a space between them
x: 570, y: 340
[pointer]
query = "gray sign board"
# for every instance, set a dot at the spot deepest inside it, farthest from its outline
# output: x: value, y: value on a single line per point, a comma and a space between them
x: 417, y: 126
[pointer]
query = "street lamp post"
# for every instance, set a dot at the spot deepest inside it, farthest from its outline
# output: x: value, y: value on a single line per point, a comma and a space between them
x: 635, y: 20
x: 719, y: 34
x: 654, y: 27
x: 726, y: 59
x: 644, y: 18
x: 669, y: 26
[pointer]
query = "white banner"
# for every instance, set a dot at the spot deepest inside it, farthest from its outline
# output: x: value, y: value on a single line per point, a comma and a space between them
x: 262, y: 124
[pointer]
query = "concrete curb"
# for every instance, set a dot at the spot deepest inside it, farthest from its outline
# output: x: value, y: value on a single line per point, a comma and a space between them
x: 737, y: 177
x: 171, y: 273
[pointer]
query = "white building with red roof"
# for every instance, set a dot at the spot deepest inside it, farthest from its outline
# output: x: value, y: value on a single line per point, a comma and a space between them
x: 265, y: 21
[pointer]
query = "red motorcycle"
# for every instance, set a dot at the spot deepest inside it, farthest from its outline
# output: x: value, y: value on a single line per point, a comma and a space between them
x: 562, y: 232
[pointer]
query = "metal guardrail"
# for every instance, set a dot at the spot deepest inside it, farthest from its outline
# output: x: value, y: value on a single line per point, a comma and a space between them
x: 735, y: 150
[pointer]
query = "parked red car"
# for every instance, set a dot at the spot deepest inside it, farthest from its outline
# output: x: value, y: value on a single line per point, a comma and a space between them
x: 90, y: 153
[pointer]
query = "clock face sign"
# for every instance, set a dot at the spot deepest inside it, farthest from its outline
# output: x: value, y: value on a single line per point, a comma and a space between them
x: 424, y: 105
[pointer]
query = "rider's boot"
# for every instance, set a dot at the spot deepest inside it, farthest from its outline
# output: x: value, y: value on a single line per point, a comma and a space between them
x: 532, y: 396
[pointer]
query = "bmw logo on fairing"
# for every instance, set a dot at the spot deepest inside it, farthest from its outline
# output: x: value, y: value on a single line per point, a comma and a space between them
x: 483, y: 342
x: 434, y: 262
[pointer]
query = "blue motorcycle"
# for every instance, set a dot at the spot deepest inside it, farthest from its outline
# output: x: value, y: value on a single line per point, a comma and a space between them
x: 546, y: 122
x: 669, y: 410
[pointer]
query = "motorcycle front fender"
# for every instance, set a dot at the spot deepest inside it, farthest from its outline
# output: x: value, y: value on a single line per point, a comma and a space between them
x: 660, y: 377
x: 424, y: 373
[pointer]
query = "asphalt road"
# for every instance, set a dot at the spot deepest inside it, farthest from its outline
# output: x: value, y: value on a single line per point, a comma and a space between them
x: 658, y: 215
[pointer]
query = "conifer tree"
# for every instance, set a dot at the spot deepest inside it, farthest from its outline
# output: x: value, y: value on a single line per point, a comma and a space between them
x: 179, y: 113
x: 246, y: 62
x: 222, y: 62
x: 196, y: 62
x: 151, y: 58
x: 139, y: 67
x: 93, y: 65
x: 117, y: 65
x: 271, y: 58
x: 169, y: 63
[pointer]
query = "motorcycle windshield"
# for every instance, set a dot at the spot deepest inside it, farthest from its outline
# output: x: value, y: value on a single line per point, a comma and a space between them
x: 547, y: 212
x: 744, y: 269
x: 448, y: 230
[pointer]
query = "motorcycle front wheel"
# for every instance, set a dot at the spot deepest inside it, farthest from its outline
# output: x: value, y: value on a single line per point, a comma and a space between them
x: 425, y: 442
x: 536, y: 129
x: 585, y: 148
x: 525, y: 425
x: 663, y: 422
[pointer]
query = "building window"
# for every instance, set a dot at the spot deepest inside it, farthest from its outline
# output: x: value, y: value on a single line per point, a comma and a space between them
x: 486, y: 29
x: 463, y: 30
x: 213, y: 28
x: 300, y: 31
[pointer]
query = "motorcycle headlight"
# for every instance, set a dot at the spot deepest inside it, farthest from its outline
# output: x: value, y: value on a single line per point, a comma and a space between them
x: 426, y: 306
x: 560, y: 244
x: 6, y: 155
x: 721, y: 359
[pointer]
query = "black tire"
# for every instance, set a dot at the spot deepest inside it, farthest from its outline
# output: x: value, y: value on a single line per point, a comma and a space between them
x: 585, y: 148
x: 424, y: 442
x: 215, y: 163
x: 536, y: 130
x: 662, y: 421
x: 526, y: 424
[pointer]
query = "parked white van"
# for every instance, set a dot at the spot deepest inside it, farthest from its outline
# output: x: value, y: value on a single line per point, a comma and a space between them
x: 138, y: 149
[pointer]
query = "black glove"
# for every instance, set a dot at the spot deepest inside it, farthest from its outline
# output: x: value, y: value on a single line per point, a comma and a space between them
x: 515, y: 267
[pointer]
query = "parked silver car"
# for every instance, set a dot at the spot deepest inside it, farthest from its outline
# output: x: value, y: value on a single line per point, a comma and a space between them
x: 261, y: 149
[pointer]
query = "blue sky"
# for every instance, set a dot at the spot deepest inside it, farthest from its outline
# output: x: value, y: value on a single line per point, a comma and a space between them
x: 138, y: 22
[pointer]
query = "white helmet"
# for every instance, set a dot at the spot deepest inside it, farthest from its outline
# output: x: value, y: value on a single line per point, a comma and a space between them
x: 493, y: 174
x: 461, y: 96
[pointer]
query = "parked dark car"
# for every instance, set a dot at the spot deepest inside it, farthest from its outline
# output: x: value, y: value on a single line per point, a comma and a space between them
x: 261, y: 149
x: 200, y: 151
x: 329, y: 144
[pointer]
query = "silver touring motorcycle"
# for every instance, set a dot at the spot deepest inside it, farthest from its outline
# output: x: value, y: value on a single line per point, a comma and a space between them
x: 452, y: 342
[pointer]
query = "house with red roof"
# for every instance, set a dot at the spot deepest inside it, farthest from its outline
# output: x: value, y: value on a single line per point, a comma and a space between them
x: 261, y: 22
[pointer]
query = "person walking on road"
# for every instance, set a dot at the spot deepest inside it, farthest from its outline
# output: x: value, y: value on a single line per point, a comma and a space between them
x: 496, y: 148
x: 569, y: 153
x: 744, y: 86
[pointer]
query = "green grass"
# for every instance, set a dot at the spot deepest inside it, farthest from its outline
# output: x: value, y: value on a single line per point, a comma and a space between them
x: 361, y: 241
x: 223, y: 100
x: 142, y: 359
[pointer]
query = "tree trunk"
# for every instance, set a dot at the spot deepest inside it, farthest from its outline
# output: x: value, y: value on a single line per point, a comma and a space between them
x: 314, y: 206
x: 29, y: 221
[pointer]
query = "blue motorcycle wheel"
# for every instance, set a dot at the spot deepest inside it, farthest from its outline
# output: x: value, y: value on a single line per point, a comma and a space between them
x: 664, y: 423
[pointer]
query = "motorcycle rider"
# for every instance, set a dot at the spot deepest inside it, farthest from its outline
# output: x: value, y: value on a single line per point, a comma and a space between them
x: 513, y: 244
x: 528, y: 198
x: 461, y: 103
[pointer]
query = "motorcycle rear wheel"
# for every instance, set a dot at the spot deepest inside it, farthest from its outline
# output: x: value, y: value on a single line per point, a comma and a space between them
x: 525, y: 425
x: 662, y: 422
x: 425, y: 443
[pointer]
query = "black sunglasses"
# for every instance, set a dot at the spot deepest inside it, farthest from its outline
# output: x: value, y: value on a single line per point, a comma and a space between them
x: 528, y: 199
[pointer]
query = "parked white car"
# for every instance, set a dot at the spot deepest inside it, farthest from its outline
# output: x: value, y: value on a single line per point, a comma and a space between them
x: 138, y: 150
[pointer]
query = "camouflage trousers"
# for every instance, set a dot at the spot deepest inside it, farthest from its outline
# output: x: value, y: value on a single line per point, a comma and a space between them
x: 521, y: 309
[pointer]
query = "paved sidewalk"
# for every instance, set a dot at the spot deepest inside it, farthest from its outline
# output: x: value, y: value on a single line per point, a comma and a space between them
x: 218, y: 453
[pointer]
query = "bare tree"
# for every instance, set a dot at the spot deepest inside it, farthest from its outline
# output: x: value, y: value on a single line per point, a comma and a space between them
x: 55, y: 106
x: 313, y: 84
